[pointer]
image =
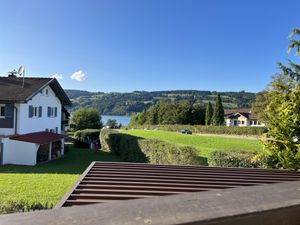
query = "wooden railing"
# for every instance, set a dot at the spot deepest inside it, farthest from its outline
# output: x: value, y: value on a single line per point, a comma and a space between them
x: 271, y: 204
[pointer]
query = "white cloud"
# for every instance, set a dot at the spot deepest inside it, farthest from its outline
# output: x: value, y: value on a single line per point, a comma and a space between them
x: 79, y: 76
x: 57, y: 76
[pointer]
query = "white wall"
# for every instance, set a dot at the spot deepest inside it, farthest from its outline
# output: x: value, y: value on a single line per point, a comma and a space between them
x: 29, y: 125
x: 7, y: 131
x: 19, y: 153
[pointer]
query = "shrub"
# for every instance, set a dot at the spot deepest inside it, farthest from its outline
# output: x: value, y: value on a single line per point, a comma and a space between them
x: 132, y: 149
x: 84, y: 137
x: 86, y: 118
x: 234, y: 159
x: 22, y: 206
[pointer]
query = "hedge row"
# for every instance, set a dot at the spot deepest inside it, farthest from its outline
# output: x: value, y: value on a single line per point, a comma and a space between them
x: 235, y: 159
x: 83, y: 138
x: 132, y: 149
x: 247, y: 131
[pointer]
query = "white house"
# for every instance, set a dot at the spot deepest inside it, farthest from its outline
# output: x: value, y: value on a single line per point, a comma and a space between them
x: 241, y: 118
x: 31, y: 117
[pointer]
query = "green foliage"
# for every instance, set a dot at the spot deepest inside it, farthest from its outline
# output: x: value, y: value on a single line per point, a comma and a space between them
x: 281, y: 114
x: 218, y: 115
x: 234, y: 159
x: 139, y: 101
x: 111, y: 123
x: 86, y: 118
x: 208, y: 114
x: 133, y: 149
x: 84, y: 137
x: 246, y: 131
x: 203, y: 144
x: 170, y: 113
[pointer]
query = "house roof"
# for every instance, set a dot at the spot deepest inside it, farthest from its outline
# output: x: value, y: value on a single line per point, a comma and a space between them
x: 38, y: 137
x: 246, y: 112
x: 11, y: 89
x: 106, y: 182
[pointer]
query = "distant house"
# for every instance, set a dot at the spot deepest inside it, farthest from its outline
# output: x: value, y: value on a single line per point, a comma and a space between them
x: 31, y: 120
x: 241, y: 118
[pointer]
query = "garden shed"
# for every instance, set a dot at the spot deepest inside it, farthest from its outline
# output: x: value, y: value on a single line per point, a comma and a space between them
x: 29, y: 149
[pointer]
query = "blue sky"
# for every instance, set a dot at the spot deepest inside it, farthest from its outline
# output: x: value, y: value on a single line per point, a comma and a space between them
x: 221, y: 45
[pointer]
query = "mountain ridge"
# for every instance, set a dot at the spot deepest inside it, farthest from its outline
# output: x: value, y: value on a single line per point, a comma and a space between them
x: 128, y: 103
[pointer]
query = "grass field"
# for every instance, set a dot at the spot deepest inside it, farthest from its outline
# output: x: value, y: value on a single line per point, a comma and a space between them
x: 204, y: 144
x: 42, y: 186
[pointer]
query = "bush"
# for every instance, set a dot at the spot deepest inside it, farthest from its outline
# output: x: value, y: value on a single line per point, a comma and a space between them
x: 132, y: 149
x: 86, y: 118
x: 22, y: 206
x: 248, y: 131
x: 234, y: 159
x: 83, y: 138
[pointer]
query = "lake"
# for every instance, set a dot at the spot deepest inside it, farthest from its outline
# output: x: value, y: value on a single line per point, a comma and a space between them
x: 124, y: 120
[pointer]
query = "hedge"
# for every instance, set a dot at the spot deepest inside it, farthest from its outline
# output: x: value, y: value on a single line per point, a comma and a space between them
x: 133, y: 149
x: 247, y: 131
x: 83, y: 138
x: 234, y: 159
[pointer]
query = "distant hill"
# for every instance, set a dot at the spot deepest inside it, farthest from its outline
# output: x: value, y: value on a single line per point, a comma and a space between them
x: 115, y: 103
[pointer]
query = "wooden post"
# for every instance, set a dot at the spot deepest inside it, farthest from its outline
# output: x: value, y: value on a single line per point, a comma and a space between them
x: 62, y: 146
x: 50, y: 151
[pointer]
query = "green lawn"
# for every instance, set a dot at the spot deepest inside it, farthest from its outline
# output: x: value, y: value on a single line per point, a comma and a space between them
x: 204, y: 144
x: 44, y: 185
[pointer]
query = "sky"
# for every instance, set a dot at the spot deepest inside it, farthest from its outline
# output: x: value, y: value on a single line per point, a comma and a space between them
x: 148, y: 45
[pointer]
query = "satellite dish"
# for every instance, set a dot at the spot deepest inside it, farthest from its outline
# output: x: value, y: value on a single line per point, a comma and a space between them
x: 21, y: 70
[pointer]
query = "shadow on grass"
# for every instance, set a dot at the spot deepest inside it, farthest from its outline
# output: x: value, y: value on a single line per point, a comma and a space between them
x: 75, y: 161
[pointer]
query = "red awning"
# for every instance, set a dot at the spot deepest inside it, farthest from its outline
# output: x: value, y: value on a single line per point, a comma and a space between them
x: 39, y: 137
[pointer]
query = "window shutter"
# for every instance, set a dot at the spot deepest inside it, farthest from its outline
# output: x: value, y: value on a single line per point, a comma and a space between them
x: 40, y: 111
x: 30, y: 113
x: 8, y: 110
x: 49, y: 111
x: 55, y: 111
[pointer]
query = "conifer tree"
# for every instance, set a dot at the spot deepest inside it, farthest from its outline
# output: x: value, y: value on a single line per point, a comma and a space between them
x: 208, y: 114
x: 280, y: 112
x: 218, y: 115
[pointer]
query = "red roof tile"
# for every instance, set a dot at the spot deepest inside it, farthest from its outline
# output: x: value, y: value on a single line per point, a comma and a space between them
x: 39, y: 137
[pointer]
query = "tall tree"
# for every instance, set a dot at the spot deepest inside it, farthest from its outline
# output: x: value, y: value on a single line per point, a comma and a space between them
x: 218, y: 115
x: 208, y: 114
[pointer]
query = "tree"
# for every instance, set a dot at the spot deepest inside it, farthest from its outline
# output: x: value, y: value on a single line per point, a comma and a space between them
x: 111, y: 123
x: 218, y: 115
x: 208, y: 114
x: 281, y: 114
x: 84, y: 118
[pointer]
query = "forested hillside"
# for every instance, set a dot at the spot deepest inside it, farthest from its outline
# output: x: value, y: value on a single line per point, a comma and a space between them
x: 128, y: 103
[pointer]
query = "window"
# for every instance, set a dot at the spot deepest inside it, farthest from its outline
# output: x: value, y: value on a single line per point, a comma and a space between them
x: 2, y: 111
x: 35, y: 111
x: 47, y: 92
x: 243, y: 122
x: 52, y: 111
